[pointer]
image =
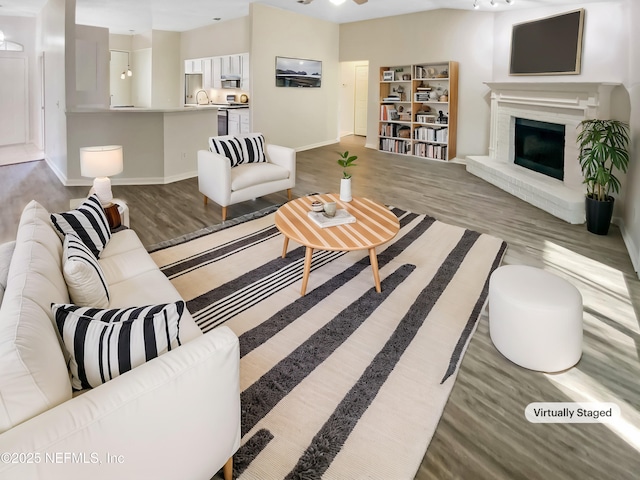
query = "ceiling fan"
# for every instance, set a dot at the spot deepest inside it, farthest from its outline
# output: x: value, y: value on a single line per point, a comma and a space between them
x: 337, y: 2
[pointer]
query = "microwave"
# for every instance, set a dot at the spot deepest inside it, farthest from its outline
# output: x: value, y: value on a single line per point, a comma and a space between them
x: 230, y: 83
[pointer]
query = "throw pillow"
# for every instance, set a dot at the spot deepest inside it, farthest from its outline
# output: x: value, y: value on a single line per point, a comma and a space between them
x: 253, y: 148
x: 88, y: 222
x: 104, y: 344
x: 229, y: 147
x: 84, y: 277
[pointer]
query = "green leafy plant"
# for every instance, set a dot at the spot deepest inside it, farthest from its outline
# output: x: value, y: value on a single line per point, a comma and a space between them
x: 346, y: 161
x: 603, y: 149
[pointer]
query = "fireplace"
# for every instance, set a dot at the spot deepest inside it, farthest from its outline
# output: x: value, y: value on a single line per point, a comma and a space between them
x: 539, y: 146
x: 533, y: 151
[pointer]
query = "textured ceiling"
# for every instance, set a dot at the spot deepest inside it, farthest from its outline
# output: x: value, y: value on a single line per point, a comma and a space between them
x: 126, y: 16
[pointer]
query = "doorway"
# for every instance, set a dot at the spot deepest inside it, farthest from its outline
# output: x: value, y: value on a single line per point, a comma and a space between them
x: 354, y: 98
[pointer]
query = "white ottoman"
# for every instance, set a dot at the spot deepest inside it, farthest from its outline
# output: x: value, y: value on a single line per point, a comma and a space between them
x: 535, y: 318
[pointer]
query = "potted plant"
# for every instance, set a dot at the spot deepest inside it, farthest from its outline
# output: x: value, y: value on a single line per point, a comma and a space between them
x: 346, y: 161
x: 603, y: 149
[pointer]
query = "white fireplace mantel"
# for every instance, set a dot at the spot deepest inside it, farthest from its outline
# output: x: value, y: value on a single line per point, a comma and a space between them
x: 563, y: 103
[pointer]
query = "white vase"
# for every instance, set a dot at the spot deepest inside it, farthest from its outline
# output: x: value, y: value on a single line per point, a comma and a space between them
x: 345, y: 190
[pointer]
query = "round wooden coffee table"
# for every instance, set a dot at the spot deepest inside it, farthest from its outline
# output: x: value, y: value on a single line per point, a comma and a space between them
x: 375, y: 225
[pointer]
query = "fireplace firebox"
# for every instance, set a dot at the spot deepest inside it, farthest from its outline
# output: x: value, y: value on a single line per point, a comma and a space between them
x: 539, y: 146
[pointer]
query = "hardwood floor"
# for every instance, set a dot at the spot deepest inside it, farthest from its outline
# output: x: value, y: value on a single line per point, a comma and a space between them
x: 483, y: 433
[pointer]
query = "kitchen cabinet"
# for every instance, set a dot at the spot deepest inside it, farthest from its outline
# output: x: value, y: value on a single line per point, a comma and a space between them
x: 244, y: 71
x: 215, y: 70
x: 238, y: 121
x: 193, y: 66
x: 207, y: 73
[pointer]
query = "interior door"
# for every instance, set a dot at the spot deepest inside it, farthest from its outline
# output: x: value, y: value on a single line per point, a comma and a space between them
x: 13, y: 101
x: 360, y: 102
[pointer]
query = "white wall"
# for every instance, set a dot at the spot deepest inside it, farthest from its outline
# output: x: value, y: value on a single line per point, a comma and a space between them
x: 605, y: 48
x: 91, y: 78
x: 165, y: 68
x: 295, y: 117
x: 432, y: 36
x: 223, y: 38
x: 52, y: 25
x: 23, y: 31
x: 631, y: 196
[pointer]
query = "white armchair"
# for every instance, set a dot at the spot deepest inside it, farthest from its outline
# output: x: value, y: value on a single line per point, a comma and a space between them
x: 228, y: 185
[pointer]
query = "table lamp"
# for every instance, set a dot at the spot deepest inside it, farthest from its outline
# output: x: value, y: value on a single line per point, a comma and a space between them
x: 100, y: 163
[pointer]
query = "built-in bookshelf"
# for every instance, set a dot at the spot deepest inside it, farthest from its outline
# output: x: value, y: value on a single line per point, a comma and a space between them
x: 419, y: 110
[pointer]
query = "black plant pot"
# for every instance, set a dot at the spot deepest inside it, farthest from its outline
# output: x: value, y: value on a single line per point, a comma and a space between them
x: 598, y: 214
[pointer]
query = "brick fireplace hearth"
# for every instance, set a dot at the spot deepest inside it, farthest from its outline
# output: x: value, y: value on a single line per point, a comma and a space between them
x: 560, y: 103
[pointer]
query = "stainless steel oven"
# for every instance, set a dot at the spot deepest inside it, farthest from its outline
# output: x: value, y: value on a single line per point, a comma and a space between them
x: 223, y: 126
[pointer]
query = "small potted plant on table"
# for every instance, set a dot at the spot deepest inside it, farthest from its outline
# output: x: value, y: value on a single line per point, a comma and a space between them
x: 346, y: 161
x: 603, y: 149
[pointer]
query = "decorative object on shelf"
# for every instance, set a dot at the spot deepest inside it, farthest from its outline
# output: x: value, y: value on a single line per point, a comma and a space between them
x: 442, y: 118
x: 404, y: 132
x: 101, y: 163
x: 346, y: 161
x: 406, y: 77
x: 387, y: 76
x: 444, y: 74
x: 603, y: 147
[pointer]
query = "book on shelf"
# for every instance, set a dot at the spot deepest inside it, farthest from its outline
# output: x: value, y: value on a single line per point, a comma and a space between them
x: 341, y: 217
x: 388, y: 112
x: 425, y: 118
x: 395, y: 146
x: 391, y: 98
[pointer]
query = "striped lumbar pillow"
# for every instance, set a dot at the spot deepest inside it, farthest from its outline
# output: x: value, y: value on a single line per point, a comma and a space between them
x: 83, y: 274
x: 88, y: 222
x: 104, y: 344
x: 253, y: 148
x: 229, y: 147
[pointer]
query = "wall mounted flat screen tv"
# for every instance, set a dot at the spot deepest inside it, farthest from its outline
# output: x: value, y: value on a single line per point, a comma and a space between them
x: 298, y: 72
x: 548, y: 46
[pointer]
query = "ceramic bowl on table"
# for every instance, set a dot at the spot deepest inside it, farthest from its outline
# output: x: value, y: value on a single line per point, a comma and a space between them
x: 317, y: 206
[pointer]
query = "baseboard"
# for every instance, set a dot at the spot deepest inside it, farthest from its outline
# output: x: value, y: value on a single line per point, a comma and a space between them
x: 54, y: 168
x: 632, y: 248
x: 82, y: 182
x: 316, y: 145
x: 371, y: 145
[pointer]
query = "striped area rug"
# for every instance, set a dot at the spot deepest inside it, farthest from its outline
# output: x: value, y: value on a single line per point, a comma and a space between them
x: 343, y: 383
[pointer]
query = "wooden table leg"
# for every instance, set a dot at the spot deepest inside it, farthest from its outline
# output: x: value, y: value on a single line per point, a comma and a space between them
x: 373, y: 258
x: 285, y: 246
x: 307, y: 268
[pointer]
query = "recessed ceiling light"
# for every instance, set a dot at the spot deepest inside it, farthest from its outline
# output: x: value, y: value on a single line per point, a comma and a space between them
x: 217, y: 19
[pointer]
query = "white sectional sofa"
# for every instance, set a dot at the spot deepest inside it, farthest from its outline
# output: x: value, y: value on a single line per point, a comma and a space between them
x: 176, y: 416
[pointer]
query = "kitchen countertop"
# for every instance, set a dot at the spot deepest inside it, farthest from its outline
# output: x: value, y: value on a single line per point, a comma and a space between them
x: 186, y: 108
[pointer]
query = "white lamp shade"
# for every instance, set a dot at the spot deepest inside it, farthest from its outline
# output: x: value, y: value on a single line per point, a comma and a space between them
x: 101, y: 162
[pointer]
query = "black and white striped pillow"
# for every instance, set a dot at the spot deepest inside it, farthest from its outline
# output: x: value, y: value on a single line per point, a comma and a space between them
x: 104, y: 344
x: 84, y: 277
x: 88, y: 222
x: 253, y: 148
x: 229, y: 147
